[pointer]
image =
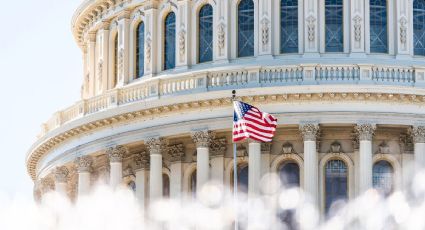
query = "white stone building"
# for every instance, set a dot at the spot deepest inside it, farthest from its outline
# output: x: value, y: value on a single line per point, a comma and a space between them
x: 344, y: 78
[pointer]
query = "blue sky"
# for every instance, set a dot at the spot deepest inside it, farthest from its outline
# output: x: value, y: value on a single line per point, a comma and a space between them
x: 40, y: 72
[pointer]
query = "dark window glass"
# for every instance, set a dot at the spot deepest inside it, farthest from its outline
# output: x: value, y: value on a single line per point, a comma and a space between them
x: 289, y: 174
x: 170, y: 41
x: 115, y: 80
x: 242, y: 178
x: 289, y: 26
x: 334, y: 26
x: 378, y: 26
x: 205, y: 34
x: 335, y: 182
x: 165, y: 185
x: 246, y: 28
x: 419, y: 27
x: 383, y: 177
x: 140, y: 48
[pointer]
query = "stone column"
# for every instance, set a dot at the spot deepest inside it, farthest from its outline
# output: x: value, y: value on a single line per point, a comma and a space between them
x: 176, y: 153
x: 365, y: 132
x: 254, y: 169
x: 155, y: 146
x: 84, y: 164
x: 182, y: 31
x: 311, y: 186
x: 418, y: 134
x: 91, y: 66
x: 123, y: 48
x: 202, y: 140
x: 151, y: 37
x: 103, y: 57
x: 115, y: 155
x: 61, y: 179
x: 142, y: 168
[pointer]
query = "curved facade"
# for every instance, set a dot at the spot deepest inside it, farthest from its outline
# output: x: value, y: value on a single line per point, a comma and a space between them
x: 344, y: 78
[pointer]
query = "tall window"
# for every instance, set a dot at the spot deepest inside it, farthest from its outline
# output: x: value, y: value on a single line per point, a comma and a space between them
x: 335, y: 182
x: 140, y: 48
x: 378, y: 26
x: 115, y: 80
x: 165, y: 185
x: 246, y: 28
x: 334, y: 41
x: 289, y: 174
x: 289, y: 26
x: 205, y: 38
x: 419, y: 27
x: 170, y: 41
x: 383, y: 177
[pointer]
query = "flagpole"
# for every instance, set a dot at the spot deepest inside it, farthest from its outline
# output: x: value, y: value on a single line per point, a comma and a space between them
x: 235, y: 173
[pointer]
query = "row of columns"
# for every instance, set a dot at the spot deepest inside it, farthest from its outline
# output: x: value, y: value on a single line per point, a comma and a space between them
x: 150, y: 165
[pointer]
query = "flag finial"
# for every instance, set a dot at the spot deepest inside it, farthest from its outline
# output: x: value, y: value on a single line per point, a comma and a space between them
x: 233, y: 95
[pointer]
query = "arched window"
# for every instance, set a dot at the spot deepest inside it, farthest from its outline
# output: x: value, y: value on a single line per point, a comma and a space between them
x: 289, y: 26
x: 205, y: 37
x: 242, y: 175
x: 115, y: 78
x: 193, y: 183
x: 289, y: 174
x: 334, y: 40
x: 336, y: 185
x: 170, y: 41
x: 378, y: 26
x: 419, y: 27
x: 140, y: 48
x: 246, y: 28
x: 383, y: 177
x: 165, y: 185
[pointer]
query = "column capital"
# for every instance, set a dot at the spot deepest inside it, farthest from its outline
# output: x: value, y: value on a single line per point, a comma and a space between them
x: 105, y: 24
x: 92, y: 36
x: 418, y: 134
x: 116, y: 153
x: 309, y: 131
x: 218, y: 147
x: 156, y: 145
x: 61, y: 174
x: 47, y: 184
x: 176, y: 152
x: 84, y: 163
x: 202, y: 138
x: 365, y: 131
x: 142, y: 161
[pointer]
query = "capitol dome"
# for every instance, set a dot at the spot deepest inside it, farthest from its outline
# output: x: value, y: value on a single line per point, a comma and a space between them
x: 345, y: 79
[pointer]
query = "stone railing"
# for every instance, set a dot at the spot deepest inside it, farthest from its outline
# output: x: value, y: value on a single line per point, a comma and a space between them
x: 184, y: 83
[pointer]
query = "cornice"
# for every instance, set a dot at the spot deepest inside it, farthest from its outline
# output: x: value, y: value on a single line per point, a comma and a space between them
x: 40, y: 150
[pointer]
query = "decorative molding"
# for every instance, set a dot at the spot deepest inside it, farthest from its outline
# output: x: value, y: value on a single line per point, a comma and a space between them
x: 142, y: 161
x: 335, y: 147
x: 182, y: 43
x: 403, y: 30
x: 418, y: 134
x: 241, y: 151
x: 266, y: 147
x: 121, y: 63
x: 265, y: 32
x: 176, y: 152
x: 383, y: 148
x: 116, y: 153
x: 84, y: 163
x: 47, y: 184
x: 365, y: 131
x: 309, y: 131
x: 203, y: 138
x: 156, y: 145
x: 311, y: 26
x: 357, y: 28
x: 221, y: 33
x: 61, y: 174
x: 148, y: 49
x: 288, y: 148
x: 218, y: 147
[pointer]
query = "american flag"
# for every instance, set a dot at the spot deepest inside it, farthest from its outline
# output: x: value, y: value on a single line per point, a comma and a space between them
x: 250, y: 122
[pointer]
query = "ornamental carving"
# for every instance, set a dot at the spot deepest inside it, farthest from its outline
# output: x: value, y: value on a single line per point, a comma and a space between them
x: 148, y: 48
x: 121, y: 63
x: 156, y: 145
x: 176, y: 152
x: 218, y: 147
x: 365, y: 131
x: 418, y: 134
x: 116, y: 153
x: 311, y: 26
x: 266, y: 147
x: 383, y: 148
x: 142, y: 160
x: 335, y: 147
x: 221, y: 37
x: 241, y: 151
x: 403, y: 30
x: 47, y: 184
x: 99, y: 70
x: 287, y: 148
x: 128, y: 171
x: 84, y: 163
x: 265, y: 32
x: 357, y: 28
x: 202, y: 138
x: 309, y: 131
x: 182, y: 44
x: 61, y: 174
